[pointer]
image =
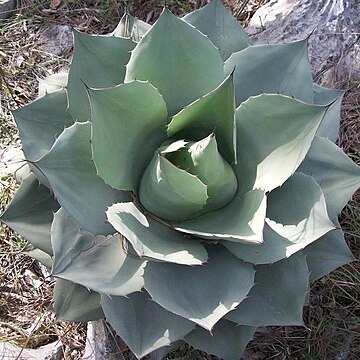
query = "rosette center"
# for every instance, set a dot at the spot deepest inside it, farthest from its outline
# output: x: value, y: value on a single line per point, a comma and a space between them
x: 186, y: 179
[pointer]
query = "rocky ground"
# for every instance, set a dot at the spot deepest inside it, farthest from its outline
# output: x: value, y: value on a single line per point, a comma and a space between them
x: 30, y: 49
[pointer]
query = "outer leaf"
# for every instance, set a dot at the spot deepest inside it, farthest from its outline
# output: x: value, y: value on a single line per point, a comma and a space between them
x: 165, y: 55
x: 130, y: 27
x: 327, y: 254
x: 98, y: 61
x: 336, y: 174
x: 128, y: 125
x: 274, y: 134
x: 72, y: 175
x: 272, y: 69
x: 329, y: 127
x: 142, y: 324
x: 227, y: 340
x: 152, y: 239
x: 41, y: 122
x: 241, y: 221
x: 169, y: 192
x: 278, y: 296
x: 41, y: 256
x: 297, y: 210
x: 30, y: 213
x: 183, y: 289
x: 215, y: 112
x: 74, y: 302
x: 53, y: 83
x: 96, y: 262
x: 222, y: 28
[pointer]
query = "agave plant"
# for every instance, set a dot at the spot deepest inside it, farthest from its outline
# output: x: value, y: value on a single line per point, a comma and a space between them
x: 184, y: 183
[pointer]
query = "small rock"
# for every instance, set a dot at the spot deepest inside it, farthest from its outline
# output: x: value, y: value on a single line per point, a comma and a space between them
x: 7, y: 8
x: 52, y: 351
x: 57, y: 40
x: 333, y: 27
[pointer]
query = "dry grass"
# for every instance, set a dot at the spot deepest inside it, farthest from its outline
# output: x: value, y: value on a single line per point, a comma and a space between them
x: 26, y: 314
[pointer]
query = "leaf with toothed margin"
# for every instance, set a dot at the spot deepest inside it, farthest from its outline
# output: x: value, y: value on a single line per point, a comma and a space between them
x: 225, y: 32
x: 283, y: 69
x: 213, y: 113
x: 327, y: 253
x: 241, y: 221
x: 142, y: 324
x: 274, y: 134
x: 297, y: 210
x: 171, y: 193
x: 97, y: 262
x: 30, y: 213
x: 41, y: 122
x: 152, y: 239
x: 227, y: 339
x: 130, y: 120
x: 74, y: 302
x: 178, y: 60
x: 332, y: 169
x: 182, y: 289
x: 76, y: 185
x: 329, y: 127
x: 278, y: 296
x: 99, y: 61
x: 131, y: 27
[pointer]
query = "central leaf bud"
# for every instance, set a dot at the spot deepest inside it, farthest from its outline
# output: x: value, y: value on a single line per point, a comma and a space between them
x: 186, y: 179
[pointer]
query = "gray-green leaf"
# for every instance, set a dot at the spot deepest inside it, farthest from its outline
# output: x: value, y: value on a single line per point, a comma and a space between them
x: 151, y: 239
x: 224, y: 282
x: 178, y: 60
x: 142, y: 324
x: 215, y: 21
x: 97, y: 262
x: 128, y: 124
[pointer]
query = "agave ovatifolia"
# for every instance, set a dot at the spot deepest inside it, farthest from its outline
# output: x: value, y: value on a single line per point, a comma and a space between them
x: 194, y: 179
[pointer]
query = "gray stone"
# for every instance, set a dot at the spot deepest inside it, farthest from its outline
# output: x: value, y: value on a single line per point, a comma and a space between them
x: 57, y: 40
x: 331, y: 25
x: 52, y: 351
x: 102, y: 343
x: 7, y: 8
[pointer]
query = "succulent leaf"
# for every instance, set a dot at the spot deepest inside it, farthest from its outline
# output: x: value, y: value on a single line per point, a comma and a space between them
x: 297, y: 210
x: 215, y: 21
x: 182, y: 289
x: 30, y: 213
x: 41, y: 122
x: 274, y: 133
x: 72, y: 175
x: 213, y: 113
x: 278, y: 296
x: 167, y: 52
x: 329, y: 127
x: 97, y: 262
x: 226, y: 340
x: 327, y: 253
x: 171, y: 193
x: 337, y: 175
x: 137, y: 114
x: 241, y: 221
x: 74, y: 302
x: 144, y: 325
x: 152, y: 239
x: 272, y: 69
x: 98, y: 61
x: 53, y: 83
x: 131, y: 27
x: 41, y: 256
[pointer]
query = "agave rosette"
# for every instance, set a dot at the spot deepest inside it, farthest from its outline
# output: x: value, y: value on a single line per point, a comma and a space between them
x: 194, y: 179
